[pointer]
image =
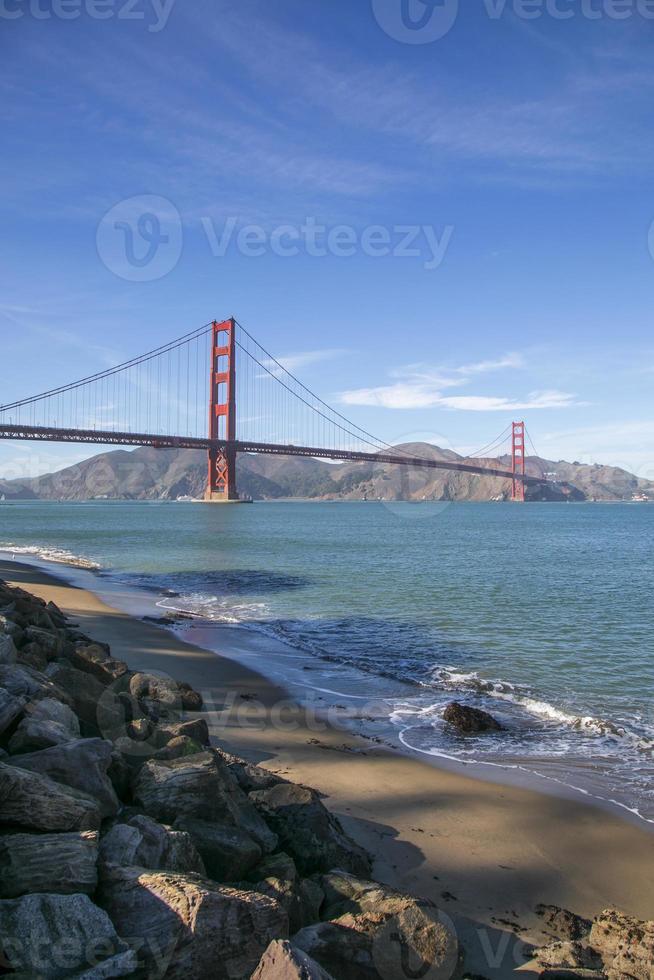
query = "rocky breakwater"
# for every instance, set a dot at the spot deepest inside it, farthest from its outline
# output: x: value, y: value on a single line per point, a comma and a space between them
x: 129, y: 846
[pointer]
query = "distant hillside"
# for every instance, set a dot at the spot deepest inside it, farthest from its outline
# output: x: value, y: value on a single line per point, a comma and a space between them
x: 156, y: 474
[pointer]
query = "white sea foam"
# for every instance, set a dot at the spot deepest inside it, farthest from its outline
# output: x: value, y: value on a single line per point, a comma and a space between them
x: 58, y: 555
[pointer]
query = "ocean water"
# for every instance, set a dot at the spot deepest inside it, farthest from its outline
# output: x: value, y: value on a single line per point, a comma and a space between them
x: 542, y: 614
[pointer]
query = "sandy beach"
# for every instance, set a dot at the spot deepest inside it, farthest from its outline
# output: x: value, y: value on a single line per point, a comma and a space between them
x: 486, y: 853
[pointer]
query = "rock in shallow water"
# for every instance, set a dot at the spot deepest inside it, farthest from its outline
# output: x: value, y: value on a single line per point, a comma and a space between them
x: 470, y: 721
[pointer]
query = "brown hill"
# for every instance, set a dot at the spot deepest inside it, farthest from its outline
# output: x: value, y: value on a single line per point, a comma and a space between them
x: 151, y: 474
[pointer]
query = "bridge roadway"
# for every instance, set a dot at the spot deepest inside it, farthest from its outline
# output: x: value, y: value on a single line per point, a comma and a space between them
x: 99, y: 437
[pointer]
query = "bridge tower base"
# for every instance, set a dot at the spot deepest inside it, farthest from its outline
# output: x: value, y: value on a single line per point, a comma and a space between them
x: 518, y: 462
x: 221, y: 476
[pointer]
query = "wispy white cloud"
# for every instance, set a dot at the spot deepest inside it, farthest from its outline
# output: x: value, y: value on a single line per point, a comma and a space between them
x: 418, y: 386
x: 302, y: 359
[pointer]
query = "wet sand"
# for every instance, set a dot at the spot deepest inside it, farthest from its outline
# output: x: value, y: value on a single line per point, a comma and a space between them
x: 486, y: 853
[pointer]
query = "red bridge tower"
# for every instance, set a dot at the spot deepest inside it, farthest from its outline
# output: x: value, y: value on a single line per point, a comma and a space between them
x: 518, y: 461
x: 221, y: 482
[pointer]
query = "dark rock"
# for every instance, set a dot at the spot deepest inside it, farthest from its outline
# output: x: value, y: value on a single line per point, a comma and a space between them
x: 7, y: 649
x: 277, y: 877
x: 48, y: 709
x: 198, y: 928
x: 563, y: 924
x: 147, y: 844
x: 469, y: 720
x: 250, y: 777
x: 85, y: 693
x: 173, y: 694
x: 228, y: 852
x: 201, y: 787
x: 11, y: 708
x: 56, y: 863
x: 22, y: 681
x: 30, y: 800
x: 91, y: 658
x: 51, y: 642
x: 195, y: 728
x: 33, y: 735
x: 53, y: 937
x: 120, y: 775
x: 81, y: 764
x: 283, y: 961
x: 308, y: 831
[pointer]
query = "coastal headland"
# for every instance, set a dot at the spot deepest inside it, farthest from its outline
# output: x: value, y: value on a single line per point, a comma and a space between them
x: 486, y: 855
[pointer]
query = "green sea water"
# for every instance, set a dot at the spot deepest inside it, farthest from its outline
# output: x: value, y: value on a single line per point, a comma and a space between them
x: 541, y: 613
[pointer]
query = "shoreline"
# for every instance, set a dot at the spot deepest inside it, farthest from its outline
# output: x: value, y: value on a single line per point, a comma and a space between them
x: 487, y: 853
x: 248, y: 645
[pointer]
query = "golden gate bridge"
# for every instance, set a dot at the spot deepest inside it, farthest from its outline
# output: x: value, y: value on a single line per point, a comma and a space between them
x: 160, y: 399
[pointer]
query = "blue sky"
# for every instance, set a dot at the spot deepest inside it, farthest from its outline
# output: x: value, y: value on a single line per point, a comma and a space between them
x: 516, y: 150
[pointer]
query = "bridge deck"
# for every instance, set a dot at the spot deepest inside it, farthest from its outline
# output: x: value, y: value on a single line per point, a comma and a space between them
x: 98, y: 437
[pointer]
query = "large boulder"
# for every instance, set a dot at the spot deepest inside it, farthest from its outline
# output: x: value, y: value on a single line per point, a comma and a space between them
x: 23, y: 681
x: 197, y: 928
x: 625, y: 944
x: 50, y: 710
x: 61, y: 863
x: 93, y: 658
x: 86, y: 694
x: 28, y: 799
x: 199, y: 787
x: 195, y: 728
x: 7, y: 649
x: 283, y: 961
x: 384, y: 933
x: 165, y: 691
x: 147, y: 844
x: 249, y: 777
x: 53, y: 937
x: 47, y: 722
x: 51, y: 641
x: 468, y: 720
x: 229, y: 853
x: 302, y: 898
x: 308, y: 832
x: 33, y: 735
x: 81, y: 764
x: 11, y: 708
